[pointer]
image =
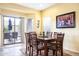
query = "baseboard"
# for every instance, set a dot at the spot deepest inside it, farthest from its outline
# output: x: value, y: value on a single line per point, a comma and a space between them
x: 75, y: 51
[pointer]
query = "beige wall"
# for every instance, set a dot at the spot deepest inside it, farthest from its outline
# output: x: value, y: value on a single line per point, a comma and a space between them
x: 71, y: 40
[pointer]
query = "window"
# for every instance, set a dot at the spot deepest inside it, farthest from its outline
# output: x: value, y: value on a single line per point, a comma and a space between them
x: 47, y: 24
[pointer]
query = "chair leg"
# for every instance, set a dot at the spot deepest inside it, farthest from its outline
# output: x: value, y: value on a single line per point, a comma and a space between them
x: 53, y: 52
x: 37, y: 53
x: 29, y: 50
x: 40, y: 52
x: 32, y: 51
x: 56, y: 53
x: 61, y: 52
x: 26, y: 51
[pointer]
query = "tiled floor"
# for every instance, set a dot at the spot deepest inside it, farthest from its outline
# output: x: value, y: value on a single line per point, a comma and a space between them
x: 18, y: 50
x: 11, y: 50
x: 12, y: 40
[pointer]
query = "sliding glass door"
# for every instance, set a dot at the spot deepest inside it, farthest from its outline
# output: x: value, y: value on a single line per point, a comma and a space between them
x: 12, y: 30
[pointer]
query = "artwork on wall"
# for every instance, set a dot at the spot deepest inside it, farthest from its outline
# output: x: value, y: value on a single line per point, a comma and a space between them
x: 65, y: 20
x: 38, y: 23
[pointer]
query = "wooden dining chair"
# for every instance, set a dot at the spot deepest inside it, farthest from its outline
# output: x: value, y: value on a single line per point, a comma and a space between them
x: 52, y: 35
x: 28, y: 43
x: 55, y: 34
x: 36, y: 46
x: 49, y: 34
x: 58, y: 45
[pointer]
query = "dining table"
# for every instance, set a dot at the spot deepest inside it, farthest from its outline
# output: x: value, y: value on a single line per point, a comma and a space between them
x: 46, y: 40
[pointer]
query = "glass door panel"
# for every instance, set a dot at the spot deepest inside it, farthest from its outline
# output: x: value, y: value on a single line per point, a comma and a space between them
x: 18, y: 29
x: 12, y: 30
x: 8, y: 31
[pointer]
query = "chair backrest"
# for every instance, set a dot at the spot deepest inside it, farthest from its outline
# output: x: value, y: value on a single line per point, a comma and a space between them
x: 33, y: 39
x: 14, y: 34
x: 6, y: 35
x: 27, y: 36
x: 60, y: 38
x: 55, y: 34
x: 49, y: 34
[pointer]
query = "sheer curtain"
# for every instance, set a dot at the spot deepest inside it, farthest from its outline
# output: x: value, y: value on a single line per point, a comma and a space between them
x: 47, y: 24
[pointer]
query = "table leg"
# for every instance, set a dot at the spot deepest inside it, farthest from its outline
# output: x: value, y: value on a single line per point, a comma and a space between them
x: 46, y: 49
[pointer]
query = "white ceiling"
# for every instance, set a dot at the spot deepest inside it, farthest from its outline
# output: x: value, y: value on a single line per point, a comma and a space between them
x: 37, y: 6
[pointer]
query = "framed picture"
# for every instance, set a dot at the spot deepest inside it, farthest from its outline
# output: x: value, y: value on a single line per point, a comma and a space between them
x: 38, y: 23
x: 65, y: 20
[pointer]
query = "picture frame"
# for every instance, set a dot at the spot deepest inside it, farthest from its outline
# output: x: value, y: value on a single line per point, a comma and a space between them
x: 66, y: 20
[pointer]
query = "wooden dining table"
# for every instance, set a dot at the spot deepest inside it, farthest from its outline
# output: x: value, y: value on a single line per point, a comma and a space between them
x: 46, y: 40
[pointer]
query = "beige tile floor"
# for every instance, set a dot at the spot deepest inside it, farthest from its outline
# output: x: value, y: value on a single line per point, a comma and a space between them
x: 11, y: 50
x: 18, y: 50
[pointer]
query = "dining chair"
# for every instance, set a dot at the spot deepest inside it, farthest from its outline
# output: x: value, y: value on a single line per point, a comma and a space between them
x: 58, y: 45
x: 7, y: 36
x: 49, y: 34
x: 52, y: 35
x: 36, y: 46
x: 28, y: 44
x: 55, y: 34
x: 15, y: 35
